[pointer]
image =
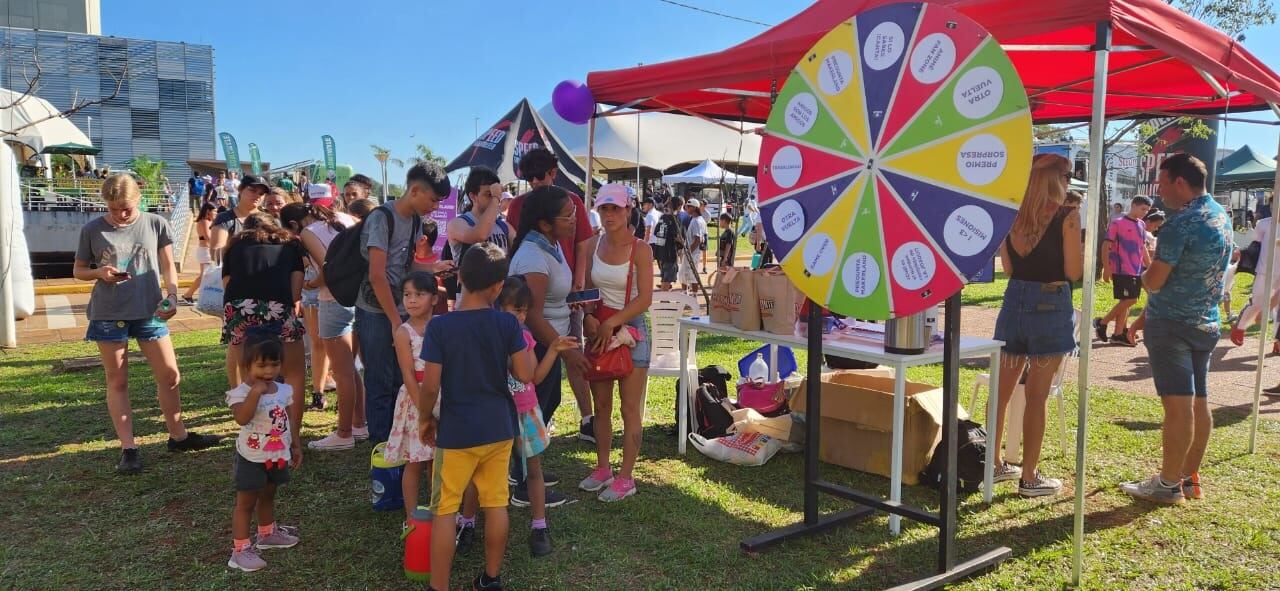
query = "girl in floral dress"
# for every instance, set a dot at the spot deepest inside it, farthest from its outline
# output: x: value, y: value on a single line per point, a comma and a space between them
x: 404, y: 444
x: 262, y: 274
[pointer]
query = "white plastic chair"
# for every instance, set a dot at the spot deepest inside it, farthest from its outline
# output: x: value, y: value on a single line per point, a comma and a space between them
x: 664, y: 334
x: 1013, y: 428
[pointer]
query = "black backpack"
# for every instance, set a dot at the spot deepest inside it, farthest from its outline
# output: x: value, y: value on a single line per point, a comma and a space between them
x: 669, y: 238
x: 971, y: 457
x: 710, y: 417
x: 345, y: 268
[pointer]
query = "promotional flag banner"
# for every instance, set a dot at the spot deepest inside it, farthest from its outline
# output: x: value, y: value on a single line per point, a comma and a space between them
x: 230, y: 151
x: 255, y: 159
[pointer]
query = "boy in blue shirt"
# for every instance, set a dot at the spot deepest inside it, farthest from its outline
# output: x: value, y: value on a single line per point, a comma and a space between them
x: 473, y: 436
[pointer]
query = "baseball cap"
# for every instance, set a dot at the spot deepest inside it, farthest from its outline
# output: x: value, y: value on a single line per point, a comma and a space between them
x: 507, y: 195
x: 253, y: 180
x: 694, y: 203
x: 613, y: 194
x: 320, y: 194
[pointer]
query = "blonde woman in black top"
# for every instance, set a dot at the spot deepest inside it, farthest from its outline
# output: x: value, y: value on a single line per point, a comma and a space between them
x: 1042, y: 257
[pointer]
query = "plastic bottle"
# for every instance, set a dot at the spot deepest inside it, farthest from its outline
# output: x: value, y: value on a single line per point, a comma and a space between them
x: 417, y: 546
x: 759, y: 371
x: 165, y: 305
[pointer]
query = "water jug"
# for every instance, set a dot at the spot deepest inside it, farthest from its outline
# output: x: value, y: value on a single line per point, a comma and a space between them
x: 417, y: 546
x: 384, y: 479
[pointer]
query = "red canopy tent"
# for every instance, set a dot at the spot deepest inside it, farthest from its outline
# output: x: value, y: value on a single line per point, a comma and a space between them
x: 1163, y: 61
x: 1085, y: 60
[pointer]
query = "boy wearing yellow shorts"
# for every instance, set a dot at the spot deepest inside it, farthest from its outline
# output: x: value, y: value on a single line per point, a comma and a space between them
x: 473, y: 436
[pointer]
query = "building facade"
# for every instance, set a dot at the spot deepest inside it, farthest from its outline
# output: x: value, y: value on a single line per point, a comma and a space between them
x: 71, y: 16
x: 165, y: 105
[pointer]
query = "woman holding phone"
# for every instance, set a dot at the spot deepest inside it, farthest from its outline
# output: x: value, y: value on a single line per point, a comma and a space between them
x: 126, y: 253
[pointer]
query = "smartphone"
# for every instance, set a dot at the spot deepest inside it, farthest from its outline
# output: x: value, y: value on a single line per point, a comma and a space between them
x: 120, y: 274
x: 584, y: 296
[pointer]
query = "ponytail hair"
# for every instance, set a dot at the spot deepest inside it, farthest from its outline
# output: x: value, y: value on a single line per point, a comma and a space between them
x: 541, y: 205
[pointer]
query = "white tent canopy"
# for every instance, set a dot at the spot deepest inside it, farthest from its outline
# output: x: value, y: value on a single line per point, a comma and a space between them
x: 707, y: 173
x: 52, y: 129
x: 663, y: 139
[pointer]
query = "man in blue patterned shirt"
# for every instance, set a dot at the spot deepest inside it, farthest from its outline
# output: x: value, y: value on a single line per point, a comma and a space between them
x: 1185, y: 283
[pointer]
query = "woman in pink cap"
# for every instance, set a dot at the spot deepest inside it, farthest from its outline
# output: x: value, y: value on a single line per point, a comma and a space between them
x: 621, y: 267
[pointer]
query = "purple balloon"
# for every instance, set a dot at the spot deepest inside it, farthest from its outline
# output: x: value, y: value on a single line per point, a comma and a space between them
x: 573, y: 101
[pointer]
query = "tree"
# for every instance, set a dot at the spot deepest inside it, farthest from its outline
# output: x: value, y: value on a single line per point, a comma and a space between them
x: 382, y: 154
x: 1229, y: 16
x: 425, y: 154
x: 149, y: 170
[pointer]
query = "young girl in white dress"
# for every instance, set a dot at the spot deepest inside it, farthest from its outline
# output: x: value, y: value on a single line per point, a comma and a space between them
x: 404, y: 444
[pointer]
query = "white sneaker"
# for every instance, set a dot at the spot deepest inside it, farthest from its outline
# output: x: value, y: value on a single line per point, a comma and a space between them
x: 360, y: 433
x: 332, y: 443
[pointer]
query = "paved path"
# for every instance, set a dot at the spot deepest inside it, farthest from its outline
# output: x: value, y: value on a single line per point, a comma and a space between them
x: 1127, y: 369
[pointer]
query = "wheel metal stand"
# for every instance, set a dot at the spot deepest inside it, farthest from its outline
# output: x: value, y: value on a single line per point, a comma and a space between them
x: 948, y: 570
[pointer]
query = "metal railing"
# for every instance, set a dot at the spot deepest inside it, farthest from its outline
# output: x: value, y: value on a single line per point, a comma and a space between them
x: 67, y: 194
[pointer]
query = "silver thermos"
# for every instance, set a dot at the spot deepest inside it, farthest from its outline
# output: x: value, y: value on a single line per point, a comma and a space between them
x: 906, y: 335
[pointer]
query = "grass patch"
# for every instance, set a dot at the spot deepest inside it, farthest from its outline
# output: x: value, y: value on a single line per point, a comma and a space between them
x: 71, y: 523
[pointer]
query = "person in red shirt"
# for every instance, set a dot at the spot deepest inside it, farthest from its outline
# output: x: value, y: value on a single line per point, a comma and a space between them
x: 539, y: 168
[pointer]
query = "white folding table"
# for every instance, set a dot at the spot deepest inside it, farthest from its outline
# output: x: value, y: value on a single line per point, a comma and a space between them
x: 839, y: 346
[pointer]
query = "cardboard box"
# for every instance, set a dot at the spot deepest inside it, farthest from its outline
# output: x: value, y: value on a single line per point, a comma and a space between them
x: 857, y: 422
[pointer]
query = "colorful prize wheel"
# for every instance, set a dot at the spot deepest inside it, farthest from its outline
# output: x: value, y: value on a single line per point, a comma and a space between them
x: 895, y: 159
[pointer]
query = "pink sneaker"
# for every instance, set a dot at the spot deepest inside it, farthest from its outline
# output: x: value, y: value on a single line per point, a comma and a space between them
x: 598, y: 479
x: 620, y: 489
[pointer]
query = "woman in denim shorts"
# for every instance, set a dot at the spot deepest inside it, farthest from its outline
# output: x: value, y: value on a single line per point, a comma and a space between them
x: 295, y: 217
x: 621, y: 267
x: 1042, y: 256
x: 126, y: 253
x: 334, y: 326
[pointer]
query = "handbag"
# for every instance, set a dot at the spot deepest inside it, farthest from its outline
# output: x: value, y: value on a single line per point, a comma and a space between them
x: 615, y: 363
x: 768, y: 399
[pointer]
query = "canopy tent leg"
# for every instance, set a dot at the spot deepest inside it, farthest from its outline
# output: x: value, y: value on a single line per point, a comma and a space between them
x: 591, y: 152
x: 1264, y: 323
x: 1097, y: 135
x: 8, y: 326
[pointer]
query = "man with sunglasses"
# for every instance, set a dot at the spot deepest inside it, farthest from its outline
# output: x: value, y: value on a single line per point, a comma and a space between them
x: 387, y: 240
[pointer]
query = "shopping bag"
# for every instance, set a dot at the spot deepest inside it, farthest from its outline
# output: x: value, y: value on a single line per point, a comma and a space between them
x: 782, y: 428
x: 743, y: 449
x: 720, y: 297
x: 744, y: 312
x: 210, y: 301
x: 779, y: 299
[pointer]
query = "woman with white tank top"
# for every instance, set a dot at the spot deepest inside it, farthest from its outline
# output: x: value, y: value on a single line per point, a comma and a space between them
x: 621, y: 267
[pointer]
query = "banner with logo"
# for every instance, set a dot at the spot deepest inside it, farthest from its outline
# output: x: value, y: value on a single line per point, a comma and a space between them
x: 444, y: 214
x: 503, y: 145
x: 1170, y: 138
x: 330, y: 154
x: 255, y: 159
x: 230, y: 152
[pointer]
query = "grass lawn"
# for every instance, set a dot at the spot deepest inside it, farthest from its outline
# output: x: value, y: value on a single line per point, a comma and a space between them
x: 991, y: 295
x: 71, y: 523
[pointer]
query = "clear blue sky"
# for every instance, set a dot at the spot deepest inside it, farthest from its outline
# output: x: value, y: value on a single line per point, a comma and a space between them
x: 402, y: 72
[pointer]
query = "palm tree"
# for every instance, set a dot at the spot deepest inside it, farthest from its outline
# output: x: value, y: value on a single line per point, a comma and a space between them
x: 425, y: 154
x: 383, y: 156
x: 146, y: 168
